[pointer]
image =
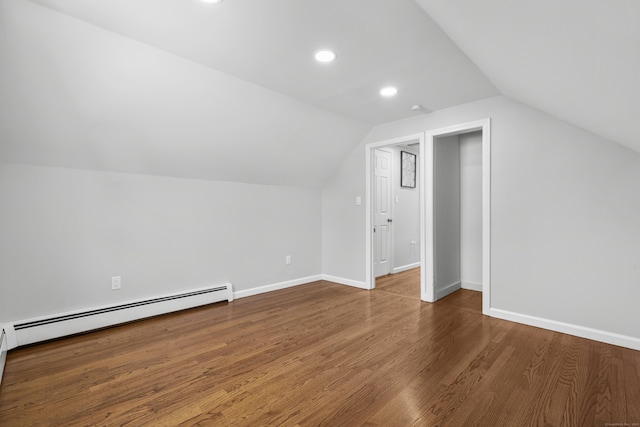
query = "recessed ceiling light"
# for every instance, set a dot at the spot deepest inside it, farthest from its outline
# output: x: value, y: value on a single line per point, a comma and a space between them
x: 325, y: 56
x: 388, y: 91
x: 212, y: 1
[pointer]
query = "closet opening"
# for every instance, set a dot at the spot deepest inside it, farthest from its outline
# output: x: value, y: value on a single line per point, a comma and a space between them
x: 457, y: 216
x: 458, y: 210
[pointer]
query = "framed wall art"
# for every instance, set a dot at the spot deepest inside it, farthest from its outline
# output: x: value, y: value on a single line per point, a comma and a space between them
x: 407, y: 170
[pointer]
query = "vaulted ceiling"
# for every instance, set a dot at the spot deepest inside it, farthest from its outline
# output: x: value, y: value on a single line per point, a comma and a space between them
x: 232, y: 91
x: 578, y: 60
x: 271, y: 44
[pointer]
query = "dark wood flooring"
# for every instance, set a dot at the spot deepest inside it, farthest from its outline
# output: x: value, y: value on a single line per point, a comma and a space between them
x: 323, y: 354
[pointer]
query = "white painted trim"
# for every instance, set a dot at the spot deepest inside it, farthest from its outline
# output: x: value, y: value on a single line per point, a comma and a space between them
x: 486, y: 215
x: 449, y: 289
x: 406, y: 267
x: 472, y: 286
x: 276, y: 286
x: 424, y: 256
x: 369, y: 150
x: 12, y: 341
x: 229, y: 292
x: 485, y: 126
x: 57, y: 325
x: 568, y: 328
x: 370, y: 278
x: 428, y: 292
x: 342, y: 281
x: 4, y: 349
x: 458, y: 129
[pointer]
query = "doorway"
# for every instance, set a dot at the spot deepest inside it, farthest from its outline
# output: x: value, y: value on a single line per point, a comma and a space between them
x: 458, y: 237
x: 457, y: 216
x: 395, y: 209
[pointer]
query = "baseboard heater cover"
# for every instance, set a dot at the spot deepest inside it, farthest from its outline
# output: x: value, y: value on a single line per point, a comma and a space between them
x: 4, y: 347
x: 46, y: 328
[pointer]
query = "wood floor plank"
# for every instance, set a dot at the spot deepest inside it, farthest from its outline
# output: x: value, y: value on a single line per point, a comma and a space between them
x: 323, y: 354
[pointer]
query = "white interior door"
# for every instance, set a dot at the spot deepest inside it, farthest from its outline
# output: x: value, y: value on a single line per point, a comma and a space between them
x: 382, y: 212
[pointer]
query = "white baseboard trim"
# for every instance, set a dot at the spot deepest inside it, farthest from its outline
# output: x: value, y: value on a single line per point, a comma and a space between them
x: 406, y: 267
x: 472, y: 286
x: 449, y: 289
x: 276, y: 286
x: 568, y: 328
x: 342, y: 281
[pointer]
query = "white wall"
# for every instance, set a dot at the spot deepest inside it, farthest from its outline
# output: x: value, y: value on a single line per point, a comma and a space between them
x: 66, y: 232
x: 471, y: 210
x: 564, y: 221
x: 343, y: 221
x: 406, y: 214
x: 446, y: 201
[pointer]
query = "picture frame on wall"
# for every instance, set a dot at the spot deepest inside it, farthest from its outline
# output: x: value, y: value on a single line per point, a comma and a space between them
x: 407, y: 169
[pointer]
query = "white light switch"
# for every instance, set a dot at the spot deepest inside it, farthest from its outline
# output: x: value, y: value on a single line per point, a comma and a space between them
x: 397, y: 199
x: 358, y: 200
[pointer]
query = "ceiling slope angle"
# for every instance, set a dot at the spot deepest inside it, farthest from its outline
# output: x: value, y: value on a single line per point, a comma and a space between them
x: 75, y: 95
x: 272, y: 44
x: 578, y: 60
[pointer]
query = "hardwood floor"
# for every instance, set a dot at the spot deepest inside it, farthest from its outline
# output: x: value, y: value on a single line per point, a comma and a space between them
x: 406, y: 283
x: 323, y: 354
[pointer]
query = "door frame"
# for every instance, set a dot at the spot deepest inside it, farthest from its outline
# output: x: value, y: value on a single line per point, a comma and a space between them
x: 369, y: 153
x: 430, y: 136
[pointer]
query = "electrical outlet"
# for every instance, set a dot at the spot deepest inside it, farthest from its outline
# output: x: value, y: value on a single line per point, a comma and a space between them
x: 287, y: 259
x: 116, y: 283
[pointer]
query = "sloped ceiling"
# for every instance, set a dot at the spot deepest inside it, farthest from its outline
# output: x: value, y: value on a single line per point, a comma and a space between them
x: 271, y: 43
x: 578, y: 60
x: 74, y: 95
x: 231, y: 92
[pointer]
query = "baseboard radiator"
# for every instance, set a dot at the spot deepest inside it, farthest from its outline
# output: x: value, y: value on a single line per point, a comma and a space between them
x: 46, y: 328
